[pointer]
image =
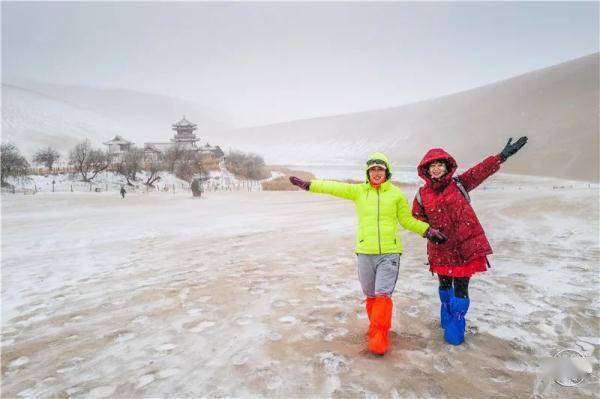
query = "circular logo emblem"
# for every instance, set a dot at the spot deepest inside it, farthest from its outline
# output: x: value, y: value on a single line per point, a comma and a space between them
x: 569, y: 373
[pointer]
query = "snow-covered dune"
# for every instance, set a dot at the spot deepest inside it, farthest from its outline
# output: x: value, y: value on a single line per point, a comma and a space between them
x: 37, y: 114
x: 557, y: 107
x: 33, y: 120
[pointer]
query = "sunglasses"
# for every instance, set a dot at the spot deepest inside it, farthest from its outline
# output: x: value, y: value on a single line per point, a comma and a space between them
x: 375, y: 162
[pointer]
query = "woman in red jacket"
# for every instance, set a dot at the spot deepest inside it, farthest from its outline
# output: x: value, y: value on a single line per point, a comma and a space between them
x: 444, y: 203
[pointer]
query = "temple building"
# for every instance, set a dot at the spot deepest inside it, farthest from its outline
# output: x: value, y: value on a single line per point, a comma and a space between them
x: 117, y: 147
x: 211, y: 152
x: 184, y: 138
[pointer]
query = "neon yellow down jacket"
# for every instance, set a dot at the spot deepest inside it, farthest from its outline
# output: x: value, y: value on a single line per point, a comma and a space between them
x: 378, y: 211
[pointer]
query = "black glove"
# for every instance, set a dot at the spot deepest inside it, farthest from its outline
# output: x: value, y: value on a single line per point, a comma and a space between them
x: 304, y: 185
x: 435, y: 236
x: 511, y: 149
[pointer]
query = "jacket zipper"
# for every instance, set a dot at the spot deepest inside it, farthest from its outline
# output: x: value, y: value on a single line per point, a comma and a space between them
x: 378, y: 229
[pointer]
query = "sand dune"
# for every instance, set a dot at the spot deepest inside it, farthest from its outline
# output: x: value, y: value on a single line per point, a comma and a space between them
x: 557, y: 107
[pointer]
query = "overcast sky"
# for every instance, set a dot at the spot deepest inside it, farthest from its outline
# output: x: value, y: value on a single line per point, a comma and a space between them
x: 262, y: 63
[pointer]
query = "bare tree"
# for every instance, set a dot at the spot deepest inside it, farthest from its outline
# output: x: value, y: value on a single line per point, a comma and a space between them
x: 13, y: 164
x: 153, y: 167
x: 173, y: 155
x: 47, y: 157
x: 187, y: 165
x: 87, y: 161
x: 131, y: 164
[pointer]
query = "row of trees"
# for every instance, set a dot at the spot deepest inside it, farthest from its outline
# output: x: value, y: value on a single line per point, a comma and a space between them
x: 250, y: 166
x: 88, y: 162
x: 13, y: 164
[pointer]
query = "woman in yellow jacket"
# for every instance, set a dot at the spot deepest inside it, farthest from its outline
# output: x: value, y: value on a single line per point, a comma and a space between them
x: 380, y: 206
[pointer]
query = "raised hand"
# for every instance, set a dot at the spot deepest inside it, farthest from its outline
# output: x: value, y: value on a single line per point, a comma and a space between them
x: 304, y: 185
x: 435, y: 236
x: 511, y: 148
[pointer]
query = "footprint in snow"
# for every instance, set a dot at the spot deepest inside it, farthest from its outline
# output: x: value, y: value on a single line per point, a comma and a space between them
x: 166, y: 347
x: 194, y: 311
x: 242, y: 321
x: 275, y: 336
x: 142, y: 319
x: 311, y: 334
x: 74, y: 319
x: 203, y: 299
x: 340, y: 332
x: 274, y: 382
x: 122, y: 337
x: 166, y: 373
x: 333, y: 363
x: 202, y: 326
x: 240, y: 359
x: 287, y: 319
x: 144, y: 380
x: 413, y: 311
x: 23, y: 360
x: 26, y: 393
x: 102, y: 392
x: 279, y: 304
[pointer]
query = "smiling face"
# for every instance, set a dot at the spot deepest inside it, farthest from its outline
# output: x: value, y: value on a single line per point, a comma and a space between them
x: 437, y: 169
x: 376, y: 175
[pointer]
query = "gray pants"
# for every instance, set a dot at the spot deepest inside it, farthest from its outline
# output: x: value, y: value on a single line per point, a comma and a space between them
x: 378, y: 273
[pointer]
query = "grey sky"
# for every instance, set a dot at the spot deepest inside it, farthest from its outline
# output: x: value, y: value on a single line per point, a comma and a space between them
x: 268, y: 62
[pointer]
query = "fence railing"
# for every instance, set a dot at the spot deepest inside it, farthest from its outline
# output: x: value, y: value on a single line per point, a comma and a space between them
x: 27, y: 186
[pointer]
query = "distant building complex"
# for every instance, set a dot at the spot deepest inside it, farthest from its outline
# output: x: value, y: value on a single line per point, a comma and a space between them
x: 184, y: 139
x: 118, y: 146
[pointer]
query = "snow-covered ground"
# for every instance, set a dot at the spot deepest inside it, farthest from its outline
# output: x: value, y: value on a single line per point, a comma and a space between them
x: 255, y: 294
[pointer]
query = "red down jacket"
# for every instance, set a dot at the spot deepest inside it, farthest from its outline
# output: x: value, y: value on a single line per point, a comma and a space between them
x: 445, y: 208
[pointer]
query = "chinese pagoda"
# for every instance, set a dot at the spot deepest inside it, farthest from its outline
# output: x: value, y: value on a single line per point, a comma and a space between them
x: 185, y: 135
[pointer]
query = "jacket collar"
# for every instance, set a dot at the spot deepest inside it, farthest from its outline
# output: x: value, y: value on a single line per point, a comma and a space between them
x: 383, y: 187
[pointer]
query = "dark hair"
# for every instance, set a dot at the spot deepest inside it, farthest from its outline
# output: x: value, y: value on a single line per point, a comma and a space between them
x: 388, y: 174
x: 440, y: 160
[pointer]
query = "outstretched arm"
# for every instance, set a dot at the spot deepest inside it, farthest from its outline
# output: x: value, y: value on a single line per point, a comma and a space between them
x: 478, y: 173
x: 337, y: 189
x: 474, y: 176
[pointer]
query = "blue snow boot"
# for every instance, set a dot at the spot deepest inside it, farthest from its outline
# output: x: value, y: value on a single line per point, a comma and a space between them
x: 445, y: 296
x: 455, y: 329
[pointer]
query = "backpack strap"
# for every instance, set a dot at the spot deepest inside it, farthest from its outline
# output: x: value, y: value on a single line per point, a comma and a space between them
x: 419, y: 199
x: 460, y: 186
x: 462, y: 189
